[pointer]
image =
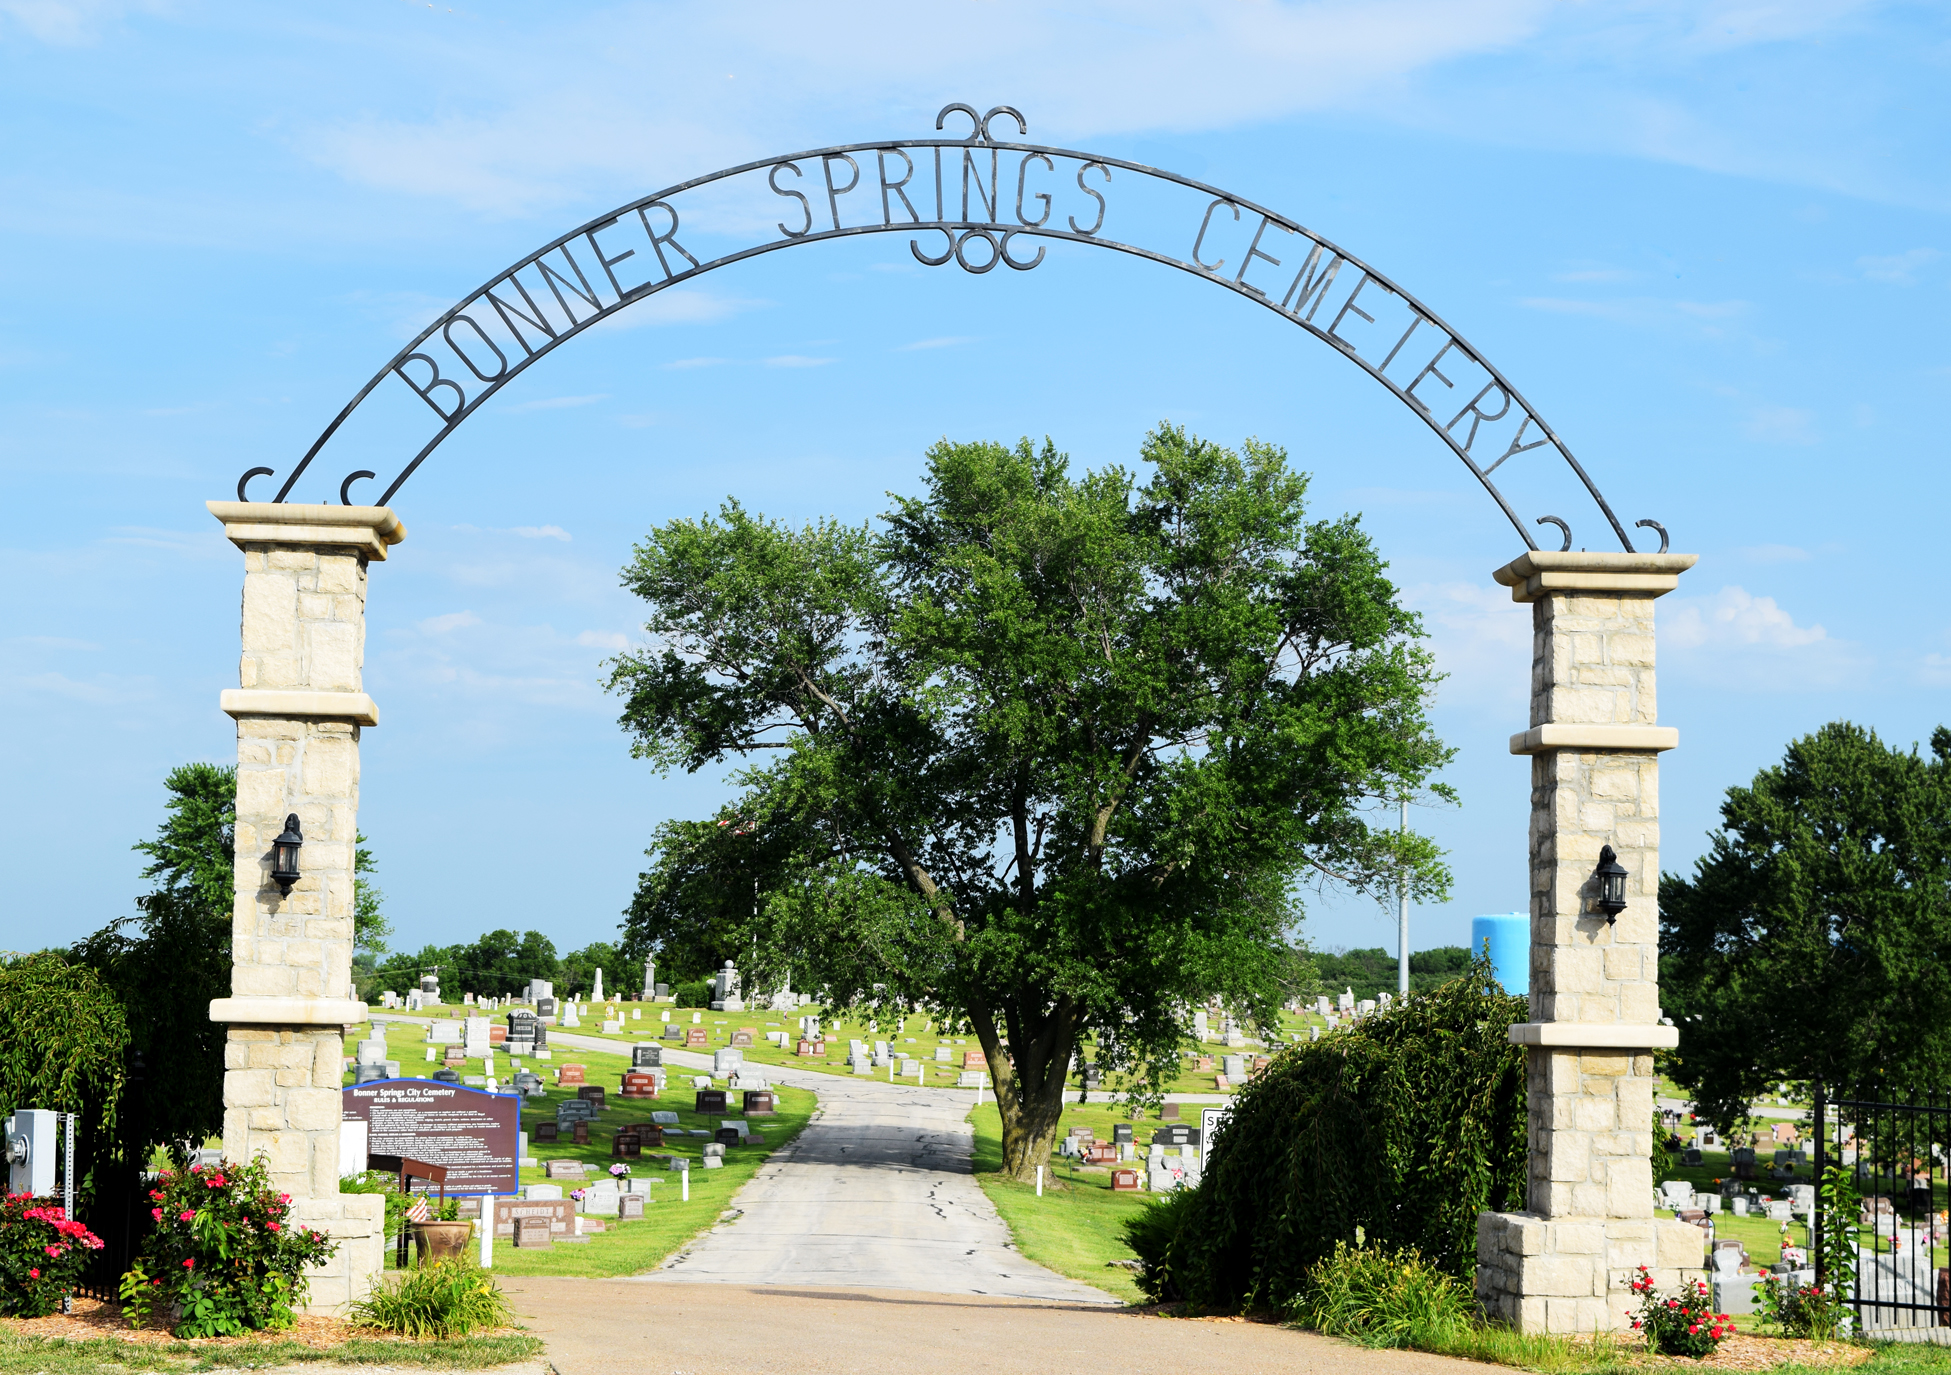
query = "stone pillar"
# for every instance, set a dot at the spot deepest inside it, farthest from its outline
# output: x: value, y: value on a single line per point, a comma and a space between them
x: 299, y: 709
x: 1565, y: 1264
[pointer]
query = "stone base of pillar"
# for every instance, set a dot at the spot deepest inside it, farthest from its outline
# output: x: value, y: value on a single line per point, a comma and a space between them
x: 1571, y: 1275
x: 358, y: 1223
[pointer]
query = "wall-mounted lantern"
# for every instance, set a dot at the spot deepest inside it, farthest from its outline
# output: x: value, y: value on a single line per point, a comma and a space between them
x: 284, y: 855
x: 1611, y: 875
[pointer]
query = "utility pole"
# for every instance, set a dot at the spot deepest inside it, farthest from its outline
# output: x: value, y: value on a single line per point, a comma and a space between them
x: 1402, y: 914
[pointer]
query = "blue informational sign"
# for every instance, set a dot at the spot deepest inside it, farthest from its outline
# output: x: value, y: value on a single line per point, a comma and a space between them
x: 1509, y: 938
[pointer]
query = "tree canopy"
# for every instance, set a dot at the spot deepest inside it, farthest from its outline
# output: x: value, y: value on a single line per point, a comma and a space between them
x: 1372, y: 971
x: 1048, y: 752
x: 1810, y: 941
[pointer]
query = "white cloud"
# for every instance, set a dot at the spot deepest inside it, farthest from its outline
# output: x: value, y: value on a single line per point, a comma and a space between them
x: 1899, y: 269
x: 1734, y: 640
x: 680, y: 305
x: 796, y: 360
x: 1482, y: 642
x: 542, y: 532
x: 1733, y: 616
x: 558, y: 403
x: 453, y: 620
x: 69, y: 23
x: 603, y: 639
x: 949, y: 341
x: 1780, y: 425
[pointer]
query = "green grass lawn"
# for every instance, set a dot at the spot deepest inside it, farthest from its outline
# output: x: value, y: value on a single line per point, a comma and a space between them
x: 626, y: 1248
x: 110, y: 1356
x: 1076, y: 1227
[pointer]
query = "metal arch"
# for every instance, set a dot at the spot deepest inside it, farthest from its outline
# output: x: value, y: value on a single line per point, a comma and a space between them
x: 957, y: 233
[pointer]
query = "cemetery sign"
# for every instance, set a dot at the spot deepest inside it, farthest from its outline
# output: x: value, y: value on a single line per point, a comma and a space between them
x: 470, y: 1132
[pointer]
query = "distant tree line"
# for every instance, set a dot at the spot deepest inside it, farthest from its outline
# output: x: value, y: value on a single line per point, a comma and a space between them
x: 1369, y: 972
x: 500, y: 964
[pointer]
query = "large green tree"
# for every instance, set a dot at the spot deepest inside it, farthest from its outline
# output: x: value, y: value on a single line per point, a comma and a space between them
x: 1811, y: 940
x: 1050, y: 752
x: 168, y: 961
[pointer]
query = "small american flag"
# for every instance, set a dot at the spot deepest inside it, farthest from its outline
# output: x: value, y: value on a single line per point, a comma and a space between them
x: 419, y: 1212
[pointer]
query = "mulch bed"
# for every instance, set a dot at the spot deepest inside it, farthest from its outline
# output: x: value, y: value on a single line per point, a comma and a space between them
x: 94, y: 1318
x: 1745, y: 1352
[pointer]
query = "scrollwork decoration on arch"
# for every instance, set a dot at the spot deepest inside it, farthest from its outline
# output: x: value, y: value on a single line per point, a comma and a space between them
x: 988, y: 196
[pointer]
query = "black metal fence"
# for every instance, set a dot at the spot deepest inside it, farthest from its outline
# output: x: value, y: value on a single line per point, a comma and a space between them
x: 1894, y: 1152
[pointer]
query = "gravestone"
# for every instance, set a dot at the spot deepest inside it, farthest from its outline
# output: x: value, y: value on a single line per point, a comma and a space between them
x: 545, y: 1007
x: 812, y: 1048
x: 446, y: 1076
x: 671, y: 1032
x: 533, y: 1234
x: 571, y: 1074
x: 974, y: 1059
x: 1233, y: 1066
x: 1124, y: 1181
x: 612, y: 1028
x: 710, y: 1101
x: 696, y: 1037
x: 591, y: 1093
x: 1122, y: 1134
x: 729, y: 1136
x: 546, y: 1131
x: 639, y: 1085
x: 726, y: 1060
x: 1168, y: 1111
x: 579, y: 1132
x: 742, y: 1038
x: 970, y: 1079
x: 645, y: 1055
x: 758, y: 1103
x: 564, y: 1169
x: 650, y: 1135
x: 944, y: 1055
x: 630, y: 1207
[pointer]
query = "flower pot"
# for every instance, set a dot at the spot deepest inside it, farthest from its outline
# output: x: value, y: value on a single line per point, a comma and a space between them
x: 437, y: 1241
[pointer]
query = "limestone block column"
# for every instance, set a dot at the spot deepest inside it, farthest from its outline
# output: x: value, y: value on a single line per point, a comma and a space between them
x: 1566, y: 1262
x: 299, y: 708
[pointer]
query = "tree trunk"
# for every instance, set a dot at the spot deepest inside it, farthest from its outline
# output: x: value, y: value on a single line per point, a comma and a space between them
x: 1029, y: 1081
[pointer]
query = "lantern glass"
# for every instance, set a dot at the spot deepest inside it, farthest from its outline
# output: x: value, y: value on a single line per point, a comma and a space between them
x: 284, y: 855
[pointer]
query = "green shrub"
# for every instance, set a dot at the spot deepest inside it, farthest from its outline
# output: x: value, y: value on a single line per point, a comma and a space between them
x: 224, y: 1256
x: 692, y: 994
x: 1406, y: 1125
x: 1681, y: 1324
x: 1802, y: 1310
x: 1381, y: 1297
x: 449, y: 1299
x: 1150, y: 1233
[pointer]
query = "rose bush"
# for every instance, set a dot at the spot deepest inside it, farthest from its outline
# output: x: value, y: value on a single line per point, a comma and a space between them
x: 1683, y: 1323
x: 224, y: 1257
x: 42, y: 1254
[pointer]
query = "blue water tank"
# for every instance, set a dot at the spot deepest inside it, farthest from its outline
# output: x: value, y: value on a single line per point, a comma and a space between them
x: 1509, y: 935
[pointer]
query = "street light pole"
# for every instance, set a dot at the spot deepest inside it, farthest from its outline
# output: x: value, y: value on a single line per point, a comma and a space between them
x: 1402, y: 915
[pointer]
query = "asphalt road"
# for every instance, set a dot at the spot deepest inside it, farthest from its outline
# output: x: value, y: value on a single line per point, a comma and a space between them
x: 877, y: 1193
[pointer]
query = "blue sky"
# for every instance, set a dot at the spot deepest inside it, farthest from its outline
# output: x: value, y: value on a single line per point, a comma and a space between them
x: 1707, y: 241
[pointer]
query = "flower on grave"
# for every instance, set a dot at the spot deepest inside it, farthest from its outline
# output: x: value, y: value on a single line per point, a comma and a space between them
x: 619, y: 1170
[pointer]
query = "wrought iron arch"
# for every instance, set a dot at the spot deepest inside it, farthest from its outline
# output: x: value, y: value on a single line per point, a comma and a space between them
x: 526, y: 311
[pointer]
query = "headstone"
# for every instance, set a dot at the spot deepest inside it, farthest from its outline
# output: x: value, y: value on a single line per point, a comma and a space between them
x: 970, y: 1078
x: 546, y: 1131
x: 672, y: 1032
x: 545, y: 1007
x: 1233, y: 1066
x: 591, y: 1093
x: 1124, y: 1181
x: 1121, y: 1133
x: 446, y: 1076
x: 630, y: 1207
x: 725, y: 1060
x: 710, y: 1101
x: 696, y: 1037
x: 612, y: 1028
x: 758, y: 1103
x: 569, y: 1017
x: 571, y: 1074
x: 812, y: 1048
x: 1168, y: 1111
x: 639, y: 1084
x: 742, y: 1038
x: 944, y: 1055
x: 563, y: 1169
x: 974, y: 1059
x: 532, y: 1233
x: 579, y: 1133
x: 725, y: 991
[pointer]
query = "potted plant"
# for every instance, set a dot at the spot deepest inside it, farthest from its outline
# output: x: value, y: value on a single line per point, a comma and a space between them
x: 442, y: 1236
